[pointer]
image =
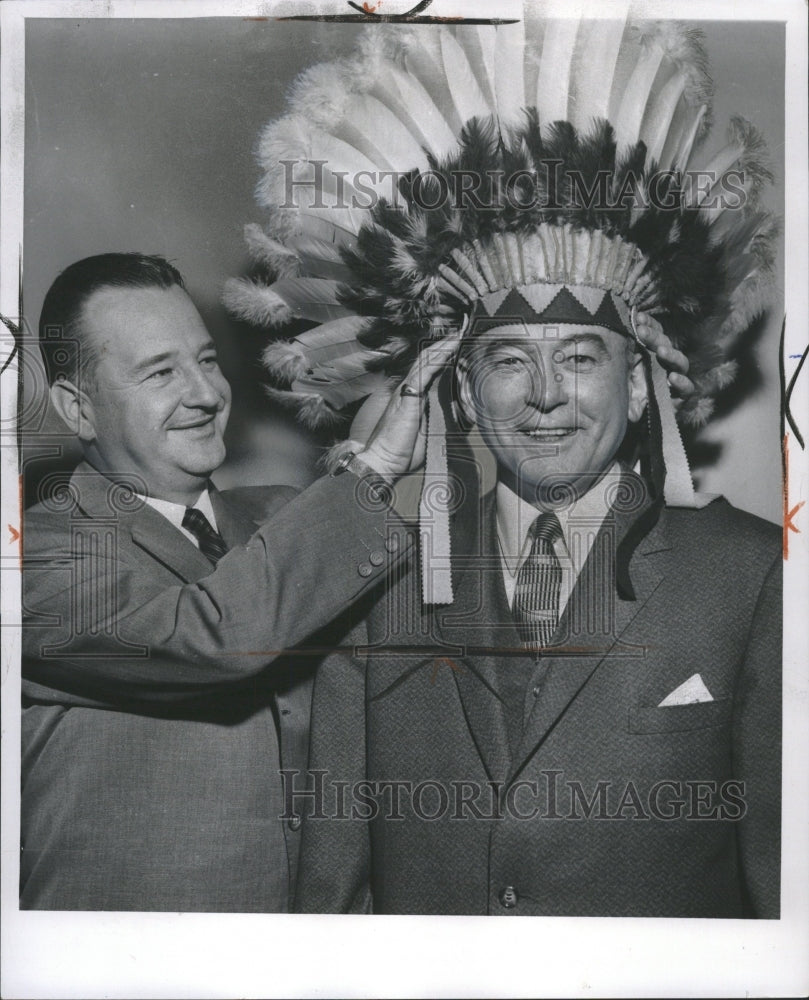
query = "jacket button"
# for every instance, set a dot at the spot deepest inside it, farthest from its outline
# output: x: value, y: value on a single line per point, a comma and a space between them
x: 364, y: 569
x: 508, y: 897
x: 536, y: 692
x: 376, y: 558
x: 294, y: 822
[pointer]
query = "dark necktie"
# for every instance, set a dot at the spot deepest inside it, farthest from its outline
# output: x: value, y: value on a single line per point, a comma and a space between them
x: 539, y: 581
x: 211, y: 543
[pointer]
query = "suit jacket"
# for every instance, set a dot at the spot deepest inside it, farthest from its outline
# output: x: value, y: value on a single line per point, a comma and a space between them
x: 157, y: 704
x: 602, y: 802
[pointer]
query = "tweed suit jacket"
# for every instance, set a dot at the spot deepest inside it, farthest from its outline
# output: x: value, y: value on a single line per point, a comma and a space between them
x: 157, y: 704
x: 605, y: 803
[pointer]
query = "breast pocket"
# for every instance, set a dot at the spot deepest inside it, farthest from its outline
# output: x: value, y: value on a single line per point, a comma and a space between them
x: 680, y: 718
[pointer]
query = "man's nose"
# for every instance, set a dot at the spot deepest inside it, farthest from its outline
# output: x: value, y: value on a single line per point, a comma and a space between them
x: 548, y: 388
x: 202, y: 390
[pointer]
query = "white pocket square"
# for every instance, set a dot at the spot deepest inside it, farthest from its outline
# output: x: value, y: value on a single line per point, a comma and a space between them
x: 690, y: 692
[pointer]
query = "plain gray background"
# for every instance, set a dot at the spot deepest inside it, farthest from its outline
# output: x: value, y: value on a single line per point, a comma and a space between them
x: 140, y: 136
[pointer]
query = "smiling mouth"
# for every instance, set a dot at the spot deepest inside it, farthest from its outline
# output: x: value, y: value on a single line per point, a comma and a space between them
x: 197, y: 423
x: 549, y: 433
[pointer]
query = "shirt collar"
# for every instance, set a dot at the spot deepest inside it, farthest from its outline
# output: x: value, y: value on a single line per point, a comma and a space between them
x: 515, y: 516
x: 175, y: 512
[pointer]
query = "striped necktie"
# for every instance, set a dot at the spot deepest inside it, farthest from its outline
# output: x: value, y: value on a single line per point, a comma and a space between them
x: 211, y: 543
x: 539, y: 581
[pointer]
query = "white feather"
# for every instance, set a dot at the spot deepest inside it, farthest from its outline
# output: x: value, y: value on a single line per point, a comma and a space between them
x: 723, y: 375
x: 332, y: 340
x: 553, y: 83
x: 715, y: 170
x: 323, y: 224
x: 466, y: 94
x: 509, y: 55
x: 411, y: 103
x: 682, y: 158
x: 380, y: 135
x: 293, y: 139
x: 321, y: 93
x: 659, y: 114
x: 350, y: 366
x: 264, y: 250
x: 592, y: 73
x: 698, y: 414
x: 534, y: 36
x: 425, y: 63
x: 311, y: 298
x: 682, y: 122
x: 285, y: 360
x: 255, y: 303
x: 478, y: 43
x: 638, y: 91
x: 319, y: 259
x: 339, y: 393
x: 311, y: 409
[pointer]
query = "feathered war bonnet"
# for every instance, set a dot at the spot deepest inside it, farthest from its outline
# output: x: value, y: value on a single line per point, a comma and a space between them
x: 549, y: 170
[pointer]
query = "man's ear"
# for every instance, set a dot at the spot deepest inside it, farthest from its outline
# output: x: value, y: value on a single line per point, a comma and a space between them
x: 75, y: 408
x: 465, y: 395
x: 638, y: 388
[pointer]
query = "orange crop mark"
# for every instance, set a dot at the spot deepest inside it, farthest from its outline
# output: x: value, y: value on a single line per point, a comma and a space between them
x: 16, y: 535
x: 445, y: 661
x: 789, y: 514
x: 371, y: 8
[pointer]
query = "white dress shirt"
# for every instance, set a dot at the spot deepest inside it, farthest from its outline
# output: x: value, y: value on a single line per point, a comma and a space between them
x: 580, y: 523
x: 175, y: 512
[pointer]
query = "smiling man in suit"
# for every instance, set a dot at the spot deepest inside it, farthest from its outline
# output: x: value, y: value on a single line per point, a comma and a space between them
x: 141, y: 791
x: 593, y: 726
x: 572, y: 707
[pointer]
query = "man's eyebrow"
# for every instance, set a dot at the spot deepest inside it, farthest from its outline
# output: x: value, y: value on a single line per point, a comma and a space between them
x: 524, y: 340
x: 155, y: 359
x: 591, y: 338
x: 487, y: 343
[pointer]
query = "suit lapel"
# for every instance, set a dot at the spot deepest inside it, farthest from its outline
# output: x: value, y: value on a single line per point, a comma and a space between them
x: 478, y: 624
x: 234, y: 526
x: 157, y: 536
x: 566, y: 672
x: 100, y: 498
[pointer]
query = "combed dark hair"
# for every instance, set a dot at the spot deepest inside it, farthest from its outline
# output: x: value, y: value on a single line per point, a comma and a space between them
x: 64, y: 352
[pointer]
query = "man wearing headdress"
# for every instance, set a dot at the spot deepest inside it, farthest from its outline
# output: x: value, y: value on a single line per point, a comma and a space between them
x: 569, y: 704
x: 592, y: 727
